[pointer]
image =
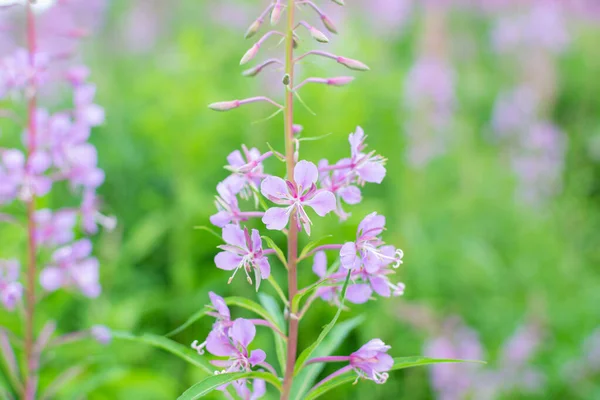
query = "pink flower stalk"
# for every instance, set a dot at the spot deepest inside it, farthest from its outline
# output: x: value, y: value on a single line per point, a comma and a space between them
x: 324, y: 189
x: 11, y: 290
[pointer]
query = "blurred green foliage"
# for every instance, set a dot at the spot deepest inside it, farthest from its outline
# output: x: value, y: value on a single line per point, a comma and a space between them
x: 470, y: 248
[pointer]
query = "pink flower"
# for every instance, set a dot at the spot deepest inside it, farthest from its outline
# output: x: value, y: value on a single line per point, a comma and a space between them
x: 72, y: 266
x: 296, y: 196
x: 372, y: 362
x: 11, y: 290
x: 54, y: 229
x: 244, y: 251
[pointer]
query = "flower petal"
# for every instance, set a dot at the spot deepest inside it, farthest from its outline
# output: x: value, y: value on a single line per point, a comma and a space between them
x: 373, y: 172
x: 276, y: 218
x: 322, y: 202
x: 320, y: 264
x: 380, y: 286
x: 274, y: 188
x: 52, y: 278
x: 356, y: 139
x: 372, y: 225
x: 227, y: 261
x: 235, y: 159
x: 217, y: 344
x: 256, y: 241
x: 221, y: 218
x: 263, y: 265
x: 348, y: 255
x: 359, y: 293
x: 305, y: 174
x: 234, y: 235
x: 243, y: 331
x: 219, y: 304
x: 350, y: 194
x: 257, y: 356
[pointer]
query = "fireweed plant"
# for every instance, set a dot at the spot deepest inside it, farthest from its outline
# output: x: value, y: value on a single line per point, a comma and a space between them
x: 365, y: 264
x: 55, y: 154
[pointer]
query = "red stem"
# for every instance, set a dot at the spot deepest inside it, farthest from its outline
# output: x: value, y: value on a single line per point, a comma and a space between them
x: 30, y: 356
x: 292, y: 343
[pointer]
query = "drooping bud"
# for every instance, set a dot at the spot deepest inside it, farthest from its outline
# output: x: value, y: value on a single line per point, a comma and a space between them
x: 328, y: 24
x: 254, y: 28
x: 340, y: 80
x: 318, y: 35
x: 224, y: 105
x: 276, y: 13
x: 297, y: 129
x: 340, y: 2
x: 250, y: 54
x: 352, y: 64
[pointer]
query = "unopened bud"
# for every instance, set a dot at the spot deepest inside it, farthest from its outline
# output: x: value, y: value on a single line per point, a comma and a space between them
x: 276, y: 13
x: 328, y: 24
x: 340, y: 80
x: 340, y: 2
x: 352, y: 64
x: 318, y: 35
x: 250, y: 54
x: 297, y: 129
x: 253, y: 71
x: 253, y: 28
x: 224, y: 105
x: 286, y: 79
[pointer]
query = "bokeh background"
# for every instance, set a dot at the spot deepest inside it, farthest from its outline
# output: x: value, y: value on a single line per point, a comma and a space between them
x: 489, y: 115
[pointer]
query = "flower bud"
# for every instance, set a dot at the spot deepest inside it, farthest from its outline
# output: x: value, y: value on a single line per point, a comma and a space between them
x: 340, y: 80
x: 224, y: 105
x: 352, y: 64
x: 340, y: 2
x: 328, y: 24
x: 253, y: 28
x: 318, y: 35
x: 253, y: 71
x: 297, y: 129
x: 250, y: 54
x: 276, y: 13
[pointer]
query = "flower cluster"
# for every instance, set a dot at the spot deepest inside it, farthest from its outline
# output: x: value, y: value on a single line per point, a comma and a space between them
x: 55, y: 153
x: 251, y: 194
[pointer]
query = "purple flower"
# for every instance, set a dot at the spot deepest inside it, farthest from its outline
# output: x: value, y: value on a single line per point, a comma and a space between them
x: 369, y: 167
x: 54, y: 229
x: 72, y: 266
x: 248, y: 168
x: 243, y: 250
x: 221, y: 325
x: 259, y: 389
x: 11, y: 290
x: 91, y: 217
x: 328, y: 293
x: 235, y: 346
x: 86, y: 112
x: 368, y: 251
x: 101, y: 334
x: 372, y: 362
x: 227, y: 204
x: 296, y: 196
x: 340, y: 182
x: 23, y: 178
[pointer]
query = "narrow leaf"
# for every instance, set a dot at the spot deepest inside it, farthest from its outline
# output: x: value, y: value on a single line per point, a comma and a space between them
x: 209, y: 230
x: 280, y: 348
x: 399, y: 363
x: 172, y: 347
x: 306, y: 377
x: 276, y: 153
x: 311, y: 138
x: 309, y: 350
x: 211, y: 383
x: 278, y: 251
x: 311, y: 246
x: 252, y: 306
x: 195, y: 317
x: 10, y: 361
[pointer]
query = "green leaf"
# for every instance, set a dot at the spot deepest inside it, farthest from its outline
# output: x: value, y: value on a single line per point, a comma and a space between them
x: 195, y: 317
x: 276, y: 153
x: 306, y: 139
x: 211, y: 383
x: 278, y: 251
x: 310, y: 349
x: 252, y: 306
x: 306, y: 377
x: 399, y: 363
x: 310, y: 246
x: 169, y: 345
x: 209, y: 230
x: 280, y: 348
